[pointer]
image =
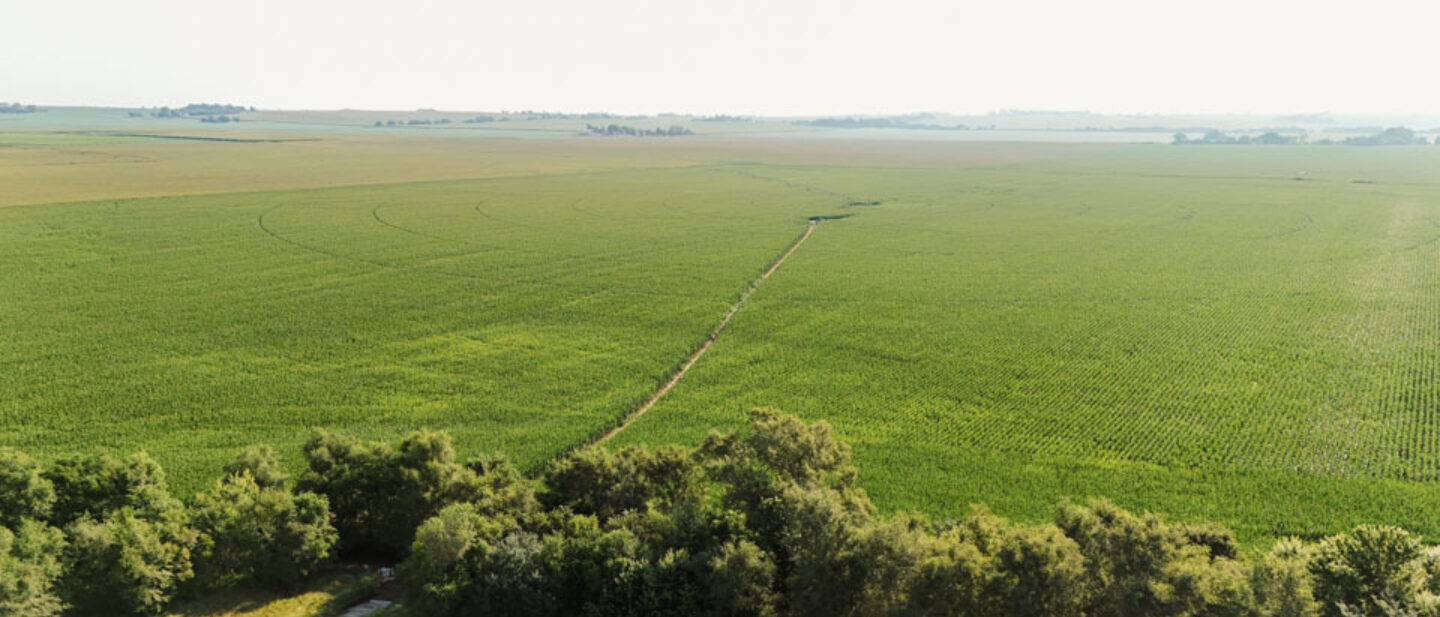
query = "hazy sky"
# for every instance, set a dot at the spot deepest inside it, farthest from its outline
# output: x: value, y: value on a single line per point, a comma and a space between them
x: 732, y: 56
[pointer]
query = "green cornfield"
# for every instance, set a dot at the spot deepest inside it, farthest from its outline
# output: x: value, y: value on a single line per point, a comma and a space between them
x: 1240, y: 334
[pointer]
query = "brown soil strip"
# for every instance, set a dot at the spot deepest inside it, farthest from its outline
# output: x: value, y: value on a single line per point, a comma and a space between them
x: 709, y: 339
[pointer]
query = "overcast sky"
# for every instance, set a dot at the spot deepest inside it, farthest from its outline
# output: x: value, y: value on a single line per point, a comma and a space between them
x: 777, y: 57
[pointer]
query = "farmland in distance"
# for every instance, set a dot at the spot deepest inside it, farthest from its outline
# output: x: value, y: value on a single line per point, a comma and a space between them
x: 1245, y: 335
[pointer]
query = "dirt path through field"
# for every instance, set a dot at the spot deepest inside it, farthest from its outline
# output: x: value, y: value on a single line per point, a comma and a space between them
x: 709, y: 339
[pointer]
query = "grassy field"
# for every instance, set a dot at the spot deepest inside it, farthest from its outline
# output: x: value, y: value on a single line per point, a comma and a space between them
x: 325, y: 595
x: 1241, y: 334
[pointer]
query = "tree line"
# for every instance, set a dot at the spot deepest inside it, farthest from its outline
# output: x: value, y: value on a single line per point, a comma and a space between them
x: 617, y: 129
x: 765, y: 521
x: 422, y: 122
x: 200, y: 109
x: 1394, y: 136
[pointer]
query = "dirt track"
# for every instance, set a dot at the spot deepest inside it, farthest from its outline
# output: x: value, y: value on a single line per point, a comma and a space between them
x: 709, y: 338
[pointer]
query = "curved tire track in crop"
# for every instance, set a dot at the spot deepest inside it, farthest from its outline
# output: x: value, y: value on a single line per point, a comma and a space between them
x: 1306, y: 220
x: 260, y: 222
x: 482, y: 212
x: 375, y: 213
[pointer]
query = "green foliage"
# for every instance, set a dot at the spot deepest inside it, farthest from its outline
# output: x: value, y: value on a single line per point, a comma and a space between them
x: 1282, y: 581
x: 605, y: 484
x: 261, y: 464
x: 1143, y: 565
x: 780, y: 530
x: 380, y: 494
x: 1032, y: 570
x: 24, y: 492
x: 445, y: 546
x: 764, y: 522
x: 30, y: 566
x: 264, y: 534
x: 1371, y: 571
x: 513, y: 581
x: 742, y: 582
x: 129, y: 563
x: 94, y: 486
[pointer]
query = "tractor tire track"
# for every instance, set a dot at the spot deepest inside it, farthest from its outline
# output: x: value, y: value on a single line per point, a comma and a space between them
x: 260, y: 222
x: 685, y: 365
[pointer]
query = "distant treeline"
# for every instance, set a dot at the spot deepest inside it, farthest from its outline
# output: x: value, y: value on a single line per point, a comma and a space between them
x: 1396, y: 136
x: 16, y: 108
x: 616, y: 129
x: 424, y: 122
x: 506, y: 116
x: 210, y: 113
x: 482, y: 119
x: 200, y: 109
x: 764, y: 522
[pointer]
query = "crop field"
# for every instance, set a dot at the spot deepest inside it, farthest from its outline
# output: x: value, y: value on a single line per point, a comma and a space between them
x: 1229, y: 342
x: 1245, y: 335
x: 518, y: 314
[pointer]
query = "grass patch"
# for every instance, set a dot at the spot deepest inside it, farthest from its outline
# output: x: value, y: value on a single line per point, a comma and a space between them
x: 326, y: 596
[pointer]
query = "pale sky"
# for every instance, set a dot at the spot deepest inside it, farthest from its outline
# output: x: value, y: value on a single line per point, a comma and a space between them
x: 777, y: 57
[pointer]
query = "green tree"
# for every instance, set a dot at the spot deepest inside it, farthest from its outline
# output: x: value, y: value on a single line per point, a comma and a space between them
x: 1142, y: 566
x: 262, y: 465
x: 742, y: 581
x: 380, y: 494
x: 256, y: 533
x: 29, y: 570
x: 444, y: 556
x: 130, y: 563
x: 1036, y: 570
x: 1374, y: 570
x: 97, y: 485
x: 952, y: 581
x: 1281, y: 580
x: 24, y: 491
x: 604, y: 483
